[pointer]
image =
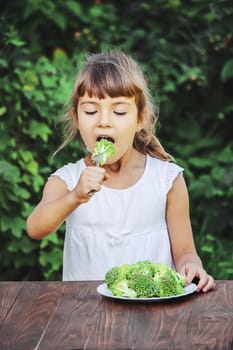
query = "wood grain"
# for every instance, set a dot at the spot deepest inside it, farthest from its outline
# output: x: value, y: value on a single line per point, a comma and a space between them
x: 8, y: 294
x: 211, y: 325
x: 72, y: 316
x: 30, y: 314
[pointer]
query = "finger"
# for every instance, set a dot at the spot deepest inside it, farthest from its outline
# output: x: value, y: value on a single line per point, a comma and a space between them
x: 191, y: 274
x: 95, y: 170
x: 106, y: 176
x: 210, y: 284
x: 203, y: 280
x: 91, y: 193
x: 183, y: 273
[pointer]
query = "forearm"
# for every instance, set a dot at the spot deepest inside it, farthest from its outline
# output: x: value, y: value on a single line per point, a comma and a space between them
x: 48, y: 216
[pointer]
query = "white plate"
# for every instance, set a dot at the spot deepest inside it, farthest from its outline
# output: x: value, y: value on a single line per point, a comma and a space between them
x: 105, y: 292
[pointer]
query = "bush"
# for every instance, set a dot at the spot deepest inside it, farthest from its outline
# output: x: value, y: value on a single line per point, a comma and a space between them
x: 186, y: 51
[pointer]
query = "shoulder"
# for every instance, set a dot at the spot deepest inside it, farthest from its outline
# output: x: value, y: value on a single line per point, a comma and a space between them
x: 165, y: 171
x: 163, y: 165
x: 70, y: 173
x: 70, y: 168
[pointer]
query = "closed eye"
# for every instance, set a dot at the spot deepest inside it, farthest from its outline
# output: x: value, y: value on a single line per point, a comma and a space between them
x: 90, y: 113
x: 119, y: 113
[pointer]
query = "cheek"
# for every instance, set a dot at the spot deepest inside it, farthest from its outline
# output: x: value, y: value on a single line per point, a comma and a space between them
x: 83, y: 124
x: 127, y: 135
x: 131, y: 129
x: 85, y: 133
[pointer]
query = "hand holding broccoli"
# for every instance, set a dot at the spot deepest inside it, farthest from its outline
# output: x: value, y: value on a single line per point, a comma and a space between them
x: 92, y: 178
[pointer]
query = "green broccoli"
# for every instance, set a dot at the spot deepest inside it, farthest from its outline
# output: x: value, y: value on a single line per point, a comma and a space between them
x: 116, y: 274
x: 144, y: 286
x: 144, y: 279
x: 112, y: 276
x: 145, y: 267
x: 121, y: 288
x: 117, y: 282
x: 103, y: 150
x: 168, y: 281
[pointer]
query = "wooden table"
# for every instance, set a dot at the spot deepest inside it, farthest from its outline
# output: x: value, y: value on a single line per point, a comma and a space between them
x: 71, y: 315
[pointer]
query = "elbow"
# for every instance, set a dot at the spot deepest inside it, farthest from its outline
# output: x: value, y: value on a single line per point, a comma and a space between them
x: 33, y: 230
x: 37, y: 229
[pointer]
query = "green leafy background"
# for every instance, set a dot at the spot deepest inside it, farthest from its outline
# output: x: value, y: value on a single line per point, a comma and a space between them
x: 186, y: 50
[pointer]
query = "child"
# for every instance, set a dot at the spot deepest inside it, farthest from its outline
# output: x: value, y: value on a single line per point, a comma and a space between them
x: 140, y: 209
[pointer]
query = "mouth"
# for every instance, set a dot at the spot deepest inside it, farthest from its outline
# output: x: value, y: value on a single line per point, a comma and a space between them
x: 105, y: 137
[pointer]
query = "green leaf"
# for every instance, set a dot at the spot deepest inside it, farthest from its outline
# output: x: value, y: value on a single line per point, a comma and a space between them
x: 15, y: 224
x: 75, y: 8
x: 207, y: 249
x: 200, y: 162
x: 3, y: 110
x: 37, y: 129
x: 3, y: 63
x: 60, y: 20
x: 9, y: 172
x: 210, y: 237
x: 169, y: 86
x: 54, y: 258
x: 96, y: 11
x: 48, y: 82
x: 26, y: 155
x: 28, y: 79
x: 53, y: 238
x: 227, y: 70
x: 16, y: 42
x: 22, y: 193
x: 60, y: 56
x: 32, y: 167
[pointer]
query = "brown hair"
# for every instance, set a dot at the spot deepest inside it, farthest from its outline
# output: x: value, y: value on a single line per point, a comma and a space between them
x: 115, y: 74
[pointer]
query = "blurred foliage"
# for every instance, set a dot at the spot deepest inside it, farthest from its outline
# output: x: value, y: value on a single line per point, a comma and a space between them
x: 186, y: 50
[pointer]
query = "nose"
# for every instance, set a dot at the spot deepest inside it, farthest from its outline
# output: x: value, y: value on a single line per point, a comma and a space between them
x: 105, y: 119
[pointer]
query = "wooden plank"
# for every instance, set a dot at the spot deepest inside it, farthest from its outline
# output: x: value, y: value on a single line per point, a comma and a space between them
x: 85, y: 321
x: 8, y: 294
x: 74, y: 318
x: 24, y: 324
x: 211, y: 326
x: 139, y: 326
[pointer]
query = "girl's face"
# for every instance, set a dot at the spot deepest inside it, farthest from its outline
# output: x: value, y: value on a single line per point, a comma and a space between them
x: 114, y: 118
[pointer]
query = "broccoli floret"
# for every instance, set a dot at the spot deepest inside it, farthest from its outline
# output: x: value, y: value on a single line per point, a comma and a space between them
x: 145, y: 268
x: 122, y: 289
x: 117, y: 282
x: 103, y: 150
x: 144, y: 279
x: 112, y: 276
x: 144, y: 286
x: 116, y: 274
x: 168, y: 281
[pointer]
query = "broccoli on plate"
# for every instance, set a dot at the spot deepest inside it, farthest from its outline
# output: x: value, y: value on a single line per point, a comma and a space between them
x: 144, y: 279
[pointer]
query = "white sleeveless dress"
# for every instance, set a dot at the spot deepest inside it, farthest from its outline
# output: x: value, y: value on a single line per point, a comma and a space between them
x: 118, y: 226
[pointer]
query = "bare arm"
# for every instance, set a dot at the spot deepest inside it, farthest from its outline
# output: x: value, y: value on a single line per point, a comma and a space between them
x: 58, y: 202
x: 186, y: 260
